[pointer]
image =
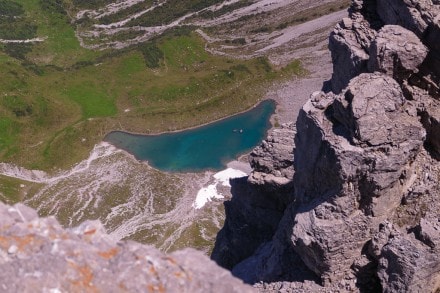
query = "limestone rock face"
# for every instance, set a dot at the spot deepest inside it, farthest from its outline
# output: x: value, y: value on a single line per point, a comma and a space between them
x: 39, y: 255
x: 404, y: 263
x: 272, y: 161
x: 353, y: 160
x: 431, y: 120
x: 397, y: 52
x: 414, y: 15
x: 348, y: 43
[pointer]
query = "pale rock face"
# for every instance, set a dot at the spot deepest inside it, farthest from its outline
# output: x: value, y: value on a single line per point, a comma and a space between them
x: 414, y: 15
x: 397, y: 52
x: 272, y: 161
x: 355, y: 172
x: 406, y: 264
x: 38, y: 255
x: 348, y: 45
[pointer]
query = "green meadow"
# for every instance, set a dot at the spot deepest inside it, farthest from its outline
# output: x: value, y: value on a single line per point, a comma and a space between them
x: 58, y: 99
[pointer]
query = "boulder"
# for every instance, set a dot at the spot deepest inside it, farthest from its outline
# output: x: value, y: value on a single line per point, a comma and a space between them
x: 405, y: 264
x: 349, y: 43
x: 397, y: 52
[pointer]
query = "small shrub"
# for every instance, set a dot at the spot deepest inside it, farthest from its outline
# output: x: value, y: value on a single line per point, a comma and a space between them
x: 152, y: 55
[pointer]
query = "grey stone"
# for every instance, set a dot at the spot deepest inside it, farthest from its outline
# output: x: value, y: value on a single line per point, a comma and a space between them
x: 349, y: 161
x: 360, y: 163
x: 349, y: 50
x: 397, y: 52
x: 257, y: 205
x: 272, y: 161
x: 429, y: 232
x: 44, y: 257
x: 404, y: 263
x: 431, y: 121
x: 413, y: 15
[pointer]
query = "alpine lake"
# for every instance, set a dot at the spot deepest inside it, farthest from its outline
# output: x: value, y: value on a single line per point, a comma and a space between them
x: 208, y: 147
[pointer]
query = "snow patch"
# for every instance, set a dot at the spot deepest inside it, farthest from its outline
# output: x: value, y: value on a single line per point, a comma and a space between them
x: 206, y: 194
x: 224, y: 176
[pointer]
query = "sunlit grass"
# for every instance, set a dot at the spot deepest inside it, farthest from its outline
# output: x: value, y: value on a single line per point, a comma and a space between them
x: 72, y: 96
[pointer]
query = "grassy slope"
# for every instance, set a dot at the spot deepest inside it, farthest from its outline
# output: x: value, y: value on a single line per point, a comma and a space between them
x: 76, y: 96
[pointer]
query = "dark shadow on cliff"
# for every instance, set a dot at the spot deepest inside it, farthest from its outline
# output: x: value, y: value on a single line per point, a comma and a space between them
x: 327, y: 86
x: 252, y: 217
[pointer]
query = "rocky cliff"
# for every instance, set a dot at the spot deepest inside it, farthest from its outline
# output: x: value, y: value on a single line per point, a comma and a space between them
x: 38, y: 255
x: 361, y: 211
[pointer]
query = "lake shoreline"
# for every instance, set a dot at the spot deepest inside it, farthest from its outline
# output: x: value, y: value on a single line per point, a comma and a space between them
x: 207, y: 147
x: 196, y: 126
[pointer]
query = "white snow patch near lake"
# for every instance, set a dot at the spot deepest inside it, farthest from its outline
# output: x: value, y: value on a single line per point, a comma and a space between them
x: 224, y: 176
x: 209, y: 193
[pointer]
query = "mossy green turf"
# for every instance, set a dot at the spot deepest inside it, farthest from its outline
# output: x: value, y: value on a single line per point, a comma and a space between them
x: 69, y: 97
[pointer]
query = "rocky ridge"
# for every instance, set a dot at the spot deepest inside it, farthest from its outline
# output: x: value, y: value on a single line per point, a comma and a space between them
x: 362, y: 210
x: 38, y: 254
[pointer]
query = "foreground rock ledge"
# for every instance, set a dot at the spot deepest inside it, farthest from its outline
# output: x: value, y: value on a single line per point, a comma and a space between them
x: 38, y: 255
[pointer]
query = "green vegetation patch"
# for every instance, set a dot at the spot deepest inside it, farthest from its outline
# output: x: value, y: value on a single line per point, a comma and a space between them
x: 53, y: 6
x: 152, y: 55
x: 313, y: 13
x: 17, y: 105
x: 94, y: 100
x: 14, y: 190
x: 184, y: 51
x: 58, y: 98
x: 211, y: 14
x: 91, y: 4
x: 9, y: 130
x: 10, y: 8
x: 125, y: 13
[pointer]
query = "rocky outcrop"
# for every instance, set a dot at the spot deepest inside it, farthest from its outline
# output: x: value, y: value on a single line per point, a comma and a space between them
x: 405, y: 264
x: 360, y: 147
x: 364, y: 211
x: 272, y: 161
x: 349, y: 49
x: 258, y: 202
x: 356, y: 49
x: 397, y: 52
x: 39, y: 255
x: 413, y: 15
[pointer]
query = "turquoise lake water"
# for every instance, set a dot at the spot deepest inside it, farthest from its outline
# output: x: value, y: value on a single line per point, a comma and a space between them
x: 206, y: 147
